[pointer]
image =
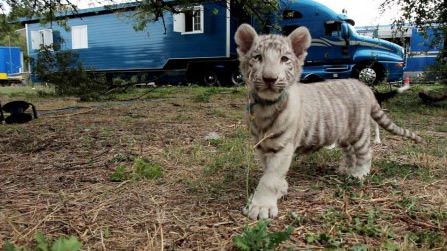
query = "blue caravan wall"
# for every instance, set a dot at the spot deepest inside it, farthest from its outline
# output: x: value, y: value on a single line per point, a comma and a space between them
x: 10, y: 60
x: 113, y: 44
x: 421, y: 54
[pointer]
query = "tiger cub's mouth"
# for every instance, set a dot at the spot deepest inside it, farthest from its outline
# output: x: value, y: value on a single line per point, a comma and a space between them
x: 276, y: 88
x: 269, y: 92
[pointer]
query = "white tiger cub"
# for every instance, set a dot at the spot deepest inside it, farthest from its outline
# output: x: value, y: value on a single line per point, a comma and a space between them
x: 285, y: 116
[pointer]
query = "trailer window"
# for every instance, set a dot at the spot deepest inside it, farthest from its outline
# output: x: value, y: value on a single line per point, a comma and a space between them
x: 291, y: 14
x: 79, y: 37
x: 286, y: 30
x: 332, y: 29
x: 41, y: 38
x: 189, y: 21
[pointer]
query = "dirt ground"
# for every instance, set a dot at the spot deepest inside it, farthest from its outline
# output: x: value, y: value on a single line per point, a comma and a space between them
x: 55, y: 179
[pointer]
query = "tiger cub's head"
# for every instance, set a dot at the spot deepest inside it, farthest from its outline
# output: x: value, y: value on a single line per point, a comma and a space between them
x: 271, y: 63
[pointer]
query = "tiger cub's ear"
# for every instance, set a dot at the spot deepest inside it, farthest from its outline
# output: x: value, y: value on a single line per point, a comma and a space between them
x: 245, y: 36
x: 300, y: 40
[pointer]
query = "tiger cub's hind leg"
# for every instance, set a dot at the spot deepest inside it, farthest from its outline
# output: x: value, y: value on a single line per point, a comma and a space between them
x: 376, y: 132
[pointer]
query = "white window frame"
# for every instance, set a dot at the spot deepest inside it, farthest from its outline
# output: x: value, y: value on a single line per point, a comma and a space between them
x: 80, y: 42
x: 180, y: 21
x: 41, y: 38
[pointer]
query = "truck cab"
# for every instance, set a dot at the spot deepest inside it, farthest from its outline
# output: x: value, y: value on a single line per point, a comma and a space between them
x: 337, y: 50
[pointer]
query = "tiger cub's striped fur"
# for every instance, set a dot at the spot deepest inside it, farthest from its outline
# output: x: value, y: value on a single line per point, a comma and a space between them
x: 285, y: 116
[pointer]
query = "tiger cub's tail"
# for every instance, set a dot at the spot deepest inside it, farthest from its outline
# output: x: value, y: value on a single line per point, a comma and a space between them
x: 380, y: 117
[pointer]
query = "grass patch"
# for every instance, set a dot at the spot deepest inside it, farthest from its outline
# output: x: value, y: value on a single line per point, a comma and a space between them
x: 204, y: 94
x: 391, y: 169
x: 257, y: 238
x: 426, y: 240
x: 322, y: 239
x: 142, y: 169
x: 37, y: 90
x: 180, y: 117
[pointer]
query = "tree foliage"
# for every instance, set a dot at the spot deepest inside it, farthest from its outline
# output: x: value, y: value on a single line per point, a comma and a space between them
x: 69, y: 77
x: 146, y: 11
x: 149, y: 11
x: 424, y: 14
x: 429, y: 16
x: 44, y: 10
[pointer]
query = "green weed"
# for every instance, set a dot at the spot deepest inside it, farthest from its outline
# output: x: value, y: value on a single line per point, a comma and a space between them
x: 349, y: 186
x: 427, y: 239
x: 389, y: 246
x: 122, y: 157
x: 322, y: 239
x: 202, y: 97
x: 142, y: 169
x: 146, y: 170
x: 410, y: 206
x: 298, y: 220
x: 43, y: 244
x: 217, y: 112
x: 106, y: 133
x: 119, y: 174
x: 257, y: 238
x: 87, y: 141
x: 366, y: 224
x: 182, y: 118
x: 106, y: 233
x: 360, y: 247
x: 135, y: 116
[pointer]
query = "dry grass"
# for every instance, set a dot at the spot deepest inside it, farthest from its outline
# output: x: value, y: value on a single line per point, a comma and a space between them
x: 56, y: 178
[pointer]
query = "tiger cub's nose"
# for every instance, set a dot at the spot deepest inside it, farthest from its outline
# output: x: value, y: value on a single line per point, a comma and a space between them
x: 269, y: 80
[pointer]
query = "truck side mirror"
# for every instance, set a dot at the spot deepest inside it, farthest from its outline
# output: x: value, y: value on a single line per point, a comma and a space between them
x: 344, y: 30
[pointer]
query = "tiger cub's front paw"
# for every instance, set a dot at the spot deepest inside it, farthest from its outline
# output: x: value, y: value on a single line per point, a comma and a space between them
x: 262, y: 207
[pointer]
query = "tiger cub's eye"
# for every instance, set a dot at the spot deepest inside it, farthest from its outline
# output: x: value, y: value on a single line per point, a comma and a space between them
x: 284, y: 59
x: 258, y: 58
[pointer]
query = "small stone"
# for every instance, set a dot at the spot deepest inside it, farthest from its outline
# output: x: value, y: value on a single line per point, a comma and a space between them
x: 213, y: 136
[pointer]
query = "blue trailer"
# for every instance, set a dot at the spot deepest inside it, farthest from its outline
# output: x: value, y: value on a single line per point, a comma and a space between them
x: 10, y: 65
x: 419, y: 53
x: 197, y: 45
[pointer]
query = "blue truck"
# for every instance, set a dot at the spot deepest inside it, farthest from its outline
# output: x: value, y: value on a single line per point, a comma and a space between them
x: 10, y: 65
x: 197, y: 45
x: 419, y: 52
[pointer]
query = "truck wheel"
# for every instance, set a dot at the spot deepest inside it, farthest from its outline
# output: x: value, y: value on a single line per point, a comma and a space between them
x: 236, y: 78
x: 370, y: 74
x: 210, y: 78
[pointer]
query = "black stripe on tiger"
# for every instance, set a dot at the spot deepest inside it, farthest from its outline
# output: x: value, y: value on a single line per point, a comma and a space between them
x: 265, y: 149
